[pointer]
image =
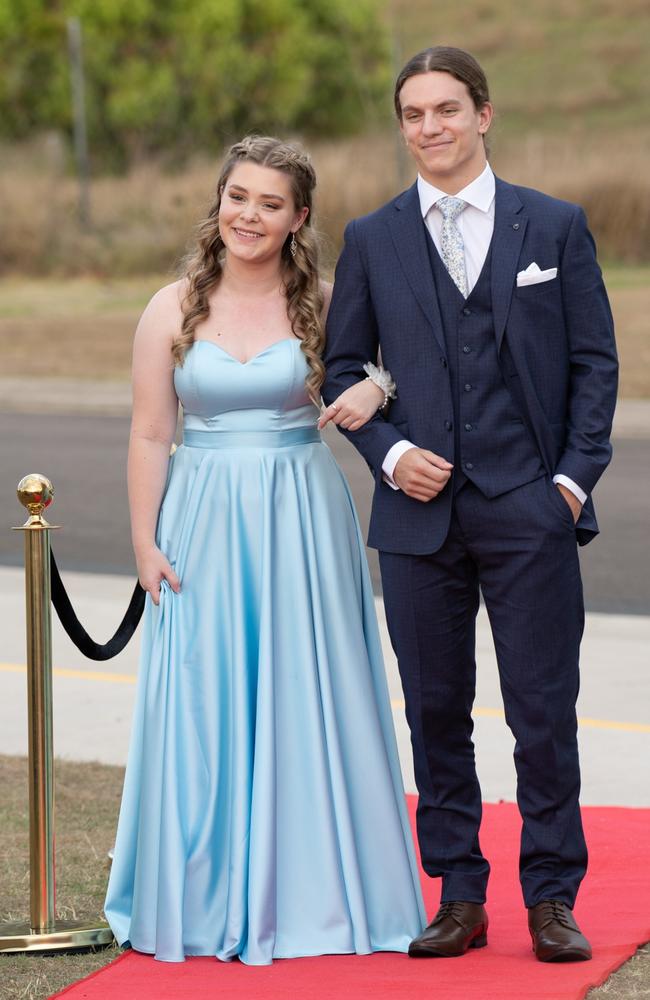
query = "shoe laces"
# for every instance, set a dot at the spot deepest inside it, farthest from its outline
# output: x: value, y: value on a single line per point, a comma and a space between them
x: 556, y: 910
x: 452, y: 909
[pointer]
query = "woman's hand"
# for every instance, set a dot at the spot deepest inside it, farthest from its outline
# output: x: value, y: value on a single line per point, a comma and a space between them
x: 354, y: 407
x: 153, y: 568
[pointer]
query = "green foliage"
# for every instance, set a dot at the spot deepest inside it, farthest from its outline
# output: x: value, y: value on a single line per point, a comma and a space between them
x: 176, y: 77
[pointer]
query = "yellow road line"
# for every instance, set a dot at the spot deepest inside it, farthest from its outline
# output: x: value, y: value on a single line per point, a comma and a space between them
x: 397, y: 703
x: 85, y: 675
x: 498, y: 713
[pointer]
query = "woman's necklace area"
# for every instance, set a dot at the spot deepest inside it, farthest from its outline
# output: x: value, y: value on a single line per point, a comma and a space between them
x: 218, y: 334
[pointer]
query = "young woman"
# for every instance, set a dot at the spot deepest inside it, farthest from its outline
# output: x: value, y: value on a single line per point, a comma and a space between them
x: 263, y: 813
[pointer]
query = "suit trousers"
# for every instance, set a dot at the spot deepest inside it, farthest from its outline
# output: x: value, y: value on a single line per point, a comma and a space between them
x: 520, y: 550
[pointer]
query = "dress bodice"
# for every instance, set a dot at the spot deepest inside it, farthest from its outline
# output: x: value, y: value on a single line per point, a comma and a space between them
x: 220, y: 393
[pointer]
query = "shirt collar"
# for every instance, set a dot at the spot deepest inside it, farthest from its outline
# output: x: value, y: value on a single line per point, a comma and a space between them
x: 479, y: 193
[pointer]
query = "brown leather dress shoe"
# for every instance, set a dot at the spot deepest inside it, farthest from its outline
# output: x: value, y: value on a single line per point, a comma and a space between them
x: 456, y: 927
x: 556, y: 936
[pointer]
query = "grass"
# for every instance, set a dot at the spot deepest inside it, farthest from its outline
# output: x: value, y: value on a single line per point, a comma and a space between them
x: 141, y: 222
x: 87, y: 803
x: 83, y: 327
x: 563, y: 66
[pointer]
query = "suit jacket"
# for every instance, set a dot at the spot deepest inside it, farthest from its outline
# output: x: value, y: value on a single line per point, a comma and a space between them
x: 555, y: 342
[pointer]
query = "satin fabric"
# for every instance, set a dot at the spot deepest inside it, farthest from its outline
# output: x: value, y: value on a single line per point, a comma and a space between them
x: 263, y: 813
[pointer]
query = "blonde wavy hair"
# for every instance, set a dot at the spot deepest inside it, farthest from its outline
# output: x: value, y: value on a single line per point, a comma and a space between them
x: 203, y: 267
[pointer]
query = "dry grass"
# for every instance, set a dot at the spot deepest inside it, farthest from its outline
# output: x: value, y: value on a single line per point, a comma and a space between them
x: 629, y: 292
x: 77, y: 328
x: 87, y: 803
x: 561, y: 65
x: 83, y: 327
x: 632, y: 982
x: 612, y: 185
x: 141, y: 223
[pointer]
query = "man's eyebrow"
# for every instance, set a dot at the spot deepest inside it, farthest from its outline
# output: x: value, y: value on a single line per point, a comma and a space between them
x: 441, y: 104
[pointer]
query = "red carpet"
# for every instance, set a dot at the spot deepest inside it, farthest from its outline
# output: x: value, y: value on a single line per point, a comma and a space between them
x: 613, y: 910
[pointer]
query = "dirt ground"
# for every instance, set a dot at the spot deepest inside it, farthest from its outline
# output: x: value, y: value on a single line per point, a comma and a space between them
x: 83, y: 328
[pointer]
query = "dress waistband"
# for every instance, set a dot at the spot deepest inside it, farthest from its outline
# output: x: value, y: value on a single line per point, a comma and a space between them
x: 251, y: 439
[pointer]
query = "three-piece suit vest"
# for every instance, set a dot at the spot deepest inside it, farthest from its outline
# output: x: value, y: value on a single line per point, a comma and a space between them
x: 493, y: 447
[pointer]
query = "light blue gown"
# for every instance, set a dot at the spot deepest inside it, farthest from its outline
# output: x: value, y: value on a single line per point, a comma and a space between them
x: 263, y: 813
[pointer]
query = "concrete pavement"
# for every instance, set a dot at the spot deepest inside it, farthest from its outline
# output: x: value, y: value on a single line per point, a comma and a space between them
x: 93, y: 701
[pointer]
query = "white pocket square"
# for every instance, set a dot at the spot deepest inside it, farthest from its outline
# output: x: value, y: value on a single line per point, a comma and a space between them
x: 533, y: 276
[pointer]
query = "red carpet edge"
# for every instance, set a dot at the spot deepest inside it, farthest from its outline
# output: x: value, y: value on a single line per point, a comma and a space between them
x: 612, y: 909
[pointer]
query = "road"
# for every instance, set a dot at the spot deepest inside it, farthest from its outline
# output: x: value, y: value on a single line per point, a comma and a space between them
x: 85, y: 457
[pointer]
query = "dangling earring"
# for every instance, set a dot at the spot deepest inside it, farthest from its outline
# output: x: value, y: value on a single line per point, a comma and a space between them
x: 293, y: 246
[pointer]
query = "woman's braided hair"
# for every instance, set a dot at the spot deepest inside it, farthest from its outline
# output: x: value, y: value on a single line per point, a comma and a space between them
x: 203, y: 267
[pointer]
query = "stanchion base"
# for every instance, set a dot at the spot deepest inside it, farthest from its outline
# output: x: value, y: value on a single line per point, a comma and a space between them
x: 65, y: 935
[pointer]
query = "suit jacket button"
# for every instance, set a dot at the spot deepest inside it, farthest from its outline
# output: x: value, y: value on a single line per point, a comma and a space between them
x: 468, y: 427
x: 515, y: 225
x: 443, y: 362
x: 469, y: 465
x: 467, y: 312
x: 448, y: 425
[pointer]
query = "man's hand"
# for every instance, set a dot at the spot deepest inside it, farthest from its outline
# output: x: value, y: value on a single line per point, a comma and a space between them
x: 572, y: 500
x: 421, y: 474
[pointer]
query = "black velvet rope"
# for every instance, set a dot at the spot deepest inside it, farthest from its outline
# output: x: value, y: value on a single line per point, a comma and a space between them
x: 94, y: 650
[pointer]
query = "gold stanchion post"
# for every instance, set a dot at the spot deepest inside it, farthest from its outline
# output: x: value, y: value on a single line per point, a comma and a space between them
x: 43, y: 932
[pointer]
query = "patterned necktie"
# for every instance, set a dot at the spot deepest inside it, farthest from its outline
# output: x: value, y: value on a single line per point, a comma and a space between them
x: 452, y: 248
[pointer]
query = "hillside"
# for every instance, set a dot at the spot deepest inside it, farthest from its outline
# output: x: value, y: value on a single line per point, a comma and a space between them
x: 555, y: 66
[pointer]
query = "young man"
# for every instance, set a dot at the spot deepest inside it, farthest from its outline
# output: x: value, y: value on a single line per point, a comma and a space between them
x: 488, y: 306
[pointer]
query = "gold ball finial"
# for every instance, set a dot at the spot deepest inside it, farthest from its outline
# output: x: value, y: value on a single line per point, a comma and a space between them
x: 36, y: 493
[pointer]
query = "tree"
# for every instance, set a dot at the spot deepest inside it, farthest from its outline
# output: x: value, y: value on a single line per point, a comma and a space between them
x: 165, y: 75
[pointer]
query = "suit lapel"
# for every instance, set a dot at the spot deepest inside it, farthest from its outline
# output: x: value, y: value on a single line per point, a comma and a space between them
x: 510, y: 222
x: 409, y: 238
x: 408, y: 235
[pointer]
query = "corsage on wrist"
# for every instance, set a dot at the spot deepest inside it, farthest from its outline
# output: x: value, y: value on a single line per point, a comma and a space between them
x: 382, y: 378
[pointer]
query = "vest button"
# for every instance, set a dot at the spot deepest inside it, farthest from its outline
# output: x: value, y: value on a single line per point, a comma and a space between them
x: 443, y: 362
x: 467, y: 387
x: 469, y: 465
x: 468, y: 427
x: 448, y: 425
x: 467, y: 312
x: 466, y: 349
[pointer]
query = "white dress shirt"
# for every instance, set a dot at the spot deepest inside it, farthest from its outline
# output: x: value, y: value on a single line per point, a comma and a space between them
x: 476, y: 225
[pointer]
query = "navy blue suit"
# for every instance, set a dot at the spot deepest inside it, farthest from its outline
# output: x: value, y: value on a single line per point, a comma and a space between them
x: 512, y: 386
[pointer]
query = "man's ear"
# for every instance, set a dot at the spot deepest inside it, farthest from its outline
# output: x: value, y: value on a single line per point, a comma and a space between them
x: 486, y: 115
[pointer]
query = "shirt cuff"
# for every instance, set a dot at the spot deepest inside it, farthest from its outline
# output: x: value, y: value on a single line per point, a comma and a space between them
x: 565, y: 481
x: 392, y: 458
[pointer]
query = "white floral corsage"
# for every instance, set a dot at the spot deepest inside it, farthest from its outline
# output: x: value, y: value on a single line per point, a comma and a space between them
x: 382, y: 378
